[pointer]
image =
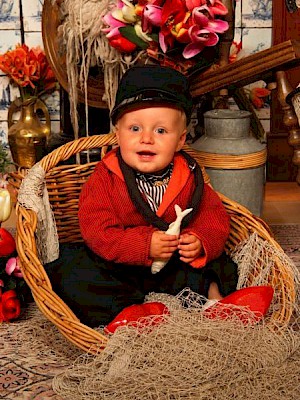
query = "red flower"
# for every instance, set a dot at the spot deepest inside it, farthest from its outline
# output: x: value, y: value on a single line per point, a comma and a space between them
x: 10, y: 306
x: 120, y: 43
x: 258, y: 96
x: 173, y: 13
x: 29, y: 69
x: 236, y: 47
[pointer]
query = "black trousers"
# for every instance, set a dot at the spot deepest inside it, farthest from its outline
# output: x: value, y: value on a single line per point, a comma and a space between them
x: 96, y: 290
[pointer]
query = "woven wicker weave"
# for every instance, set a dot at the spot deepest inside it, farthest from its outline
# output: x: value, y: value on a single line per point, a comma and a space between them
x: 64, y: 183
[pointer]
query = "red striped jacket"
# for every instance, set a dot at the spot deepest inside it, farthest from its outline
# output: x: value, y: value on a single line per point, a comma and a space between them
x: 115, y: 230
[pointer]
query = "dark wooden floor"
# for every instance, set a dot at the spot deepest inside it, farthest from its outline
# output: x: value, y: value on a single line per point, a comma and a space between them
x: 282, y: 203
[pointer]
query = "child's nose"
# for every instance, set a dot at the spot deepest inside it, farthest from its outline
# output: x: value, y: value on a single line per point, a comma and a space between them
x: 147, y: 137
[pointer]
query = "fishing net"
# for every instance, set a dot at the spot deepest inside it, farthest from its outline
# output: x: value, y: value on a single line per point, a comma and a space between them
x: 196, y: 352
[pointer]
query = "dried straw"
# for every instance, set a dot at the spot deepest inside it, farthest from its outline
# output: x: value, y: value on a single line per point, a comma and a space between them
x: 86, y: 46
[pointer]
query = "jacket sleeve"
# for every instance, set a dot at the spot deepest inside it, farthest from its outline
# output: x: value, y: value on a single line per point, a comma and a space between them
x: 100, y: 219
x: 211, y: 226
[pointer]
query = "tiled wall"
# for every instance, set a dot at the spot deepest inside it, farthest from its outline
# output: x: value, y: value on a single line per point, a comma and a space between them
x: 10, y: 35
x: 253, y: 28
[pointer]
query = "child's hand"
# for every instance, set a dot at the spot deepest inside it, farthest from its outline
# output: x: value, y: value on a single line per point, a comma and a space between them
x: 162, y: 245
x: 190, y: 247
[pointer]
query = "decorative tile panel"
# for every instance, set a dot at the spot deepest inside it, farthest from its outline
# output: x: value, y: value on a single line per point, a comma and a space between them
x: 266, y: 124
x: 3, y: 133
x: 34, y: 39
x: 256, y: 39
x: 55, y: 127
x: 8, y: 93
x: 9, y: 14
x: 257, y: 13
x: 52, y: 102
x: 8, y: 40
x: 238, y: 14
x: 32, y: 15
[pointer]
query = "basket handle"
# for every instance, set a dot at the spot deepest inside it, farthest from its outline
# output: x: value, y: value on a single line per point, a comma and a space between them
x: 67, y: 150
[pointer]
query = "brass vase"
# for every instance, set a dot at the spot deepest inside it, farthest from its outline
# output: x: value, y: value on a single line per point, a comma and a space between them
x: 27, y: 137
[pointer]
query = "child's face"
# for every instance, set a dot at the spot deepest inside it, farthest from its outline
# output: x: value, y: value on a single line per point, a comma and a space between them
x: 149, y: 137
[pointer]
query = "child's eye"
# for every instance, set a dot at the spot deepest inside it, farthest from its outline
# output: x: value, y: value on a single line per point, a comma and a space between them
x: 161, y: 131
x: 135, y: 128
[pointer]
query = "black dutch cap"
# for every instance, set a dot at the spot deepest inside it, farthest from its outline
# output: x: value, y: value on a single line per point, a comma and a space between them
x: 155, y: 85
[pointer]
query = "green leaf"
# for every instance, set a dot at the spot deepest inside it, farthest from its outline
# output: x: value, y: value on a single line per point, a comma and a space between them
x: 129, y: 33
x: 11, y: 285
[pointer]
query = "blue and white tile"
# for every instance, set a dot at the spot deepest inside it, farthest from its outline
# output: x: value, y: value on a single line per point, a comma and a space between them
x: 238, y: 14
x: 52, y: 102
x: 236, y: 42
x: 257, y: 13
x: 256, y: 39
x: 266, y: 123
x: 232, y: 104
x: 32, y: 15
x: 3, y: 134
x: 9, y: 14
x: 34, y: 39
x: 55, y: 127
x: 9, y: 39
x: 264, y: 112
x: 8, y: 93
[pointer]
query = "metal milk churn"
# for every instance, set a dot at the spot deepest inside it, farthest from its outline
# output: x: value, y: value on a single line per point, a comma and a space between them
x: 234, y: 160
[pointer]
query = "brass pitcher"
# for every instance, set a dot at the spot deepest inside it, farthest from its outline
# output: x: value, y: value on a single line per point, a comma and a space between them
x: 27, y: 137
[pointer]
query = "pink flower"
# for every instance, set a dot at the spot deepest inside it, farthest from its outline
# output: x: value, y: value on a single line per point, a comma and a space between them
x: 151, y: 17
x: 200, y: 39
x: 112, y: 23
x: 217, y: 7
x: 191, y: 4
x: 191, y: 23
x: 1, y: 284
x: 204, y: 17
x: 3, y: 181
x: 13, y: 267
x: 203, y: 31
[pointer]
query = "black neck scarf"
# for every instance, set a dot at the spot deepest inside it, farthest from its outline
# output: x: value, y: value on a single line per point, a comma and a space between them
x: 143, y: 206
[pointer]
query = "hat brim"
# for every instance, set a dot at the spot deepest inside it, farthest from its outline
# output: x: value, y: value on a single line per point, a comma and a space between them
x: 143, y: 100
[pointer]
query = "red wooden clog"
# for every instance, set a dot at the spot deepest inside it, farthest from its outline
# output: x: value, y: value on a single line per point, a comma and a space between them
x: 256, y: 298
x: 135, y: 312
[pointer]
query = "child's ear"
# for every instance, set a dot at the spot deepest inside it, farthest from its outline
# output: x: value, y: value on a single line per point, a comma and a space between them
x: 116, y: 132
x: 181, y: 141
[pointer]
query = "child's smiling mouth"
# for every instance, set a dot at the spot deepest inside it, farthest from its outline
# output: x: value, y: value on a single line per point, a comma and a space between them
x: 145, y: 154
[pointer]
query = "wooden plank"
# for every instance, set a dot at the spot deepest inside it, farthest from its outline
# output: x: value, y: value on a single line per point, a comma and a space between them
x: 246, y: 70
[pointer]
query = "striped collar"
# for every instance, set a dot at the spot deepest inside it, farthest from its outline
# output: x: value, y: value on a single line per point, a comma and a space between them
x: 157, y: 179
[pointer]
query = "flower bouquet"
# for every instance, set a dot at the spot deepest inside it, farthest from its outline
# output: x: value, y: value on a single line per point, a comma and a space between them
x: 13, y: 289
x: 99, y: 40
x: 29, y: 70
x: 174, y: 32
x: 14, y: 292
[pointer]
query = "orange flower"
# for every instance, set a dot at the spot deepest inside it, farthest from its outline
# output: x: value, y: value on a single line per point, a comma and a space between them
x: 29, y: 69
x: 258, y: 96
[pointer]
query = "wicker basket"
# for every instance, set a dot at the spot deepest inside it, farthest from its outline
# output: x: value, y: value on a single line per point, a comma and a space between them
x: 64, y: 184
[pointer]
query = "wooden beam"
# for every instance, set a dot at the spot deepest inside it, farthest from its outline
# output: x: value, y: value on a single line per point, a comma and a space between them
x: 246, y: 70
